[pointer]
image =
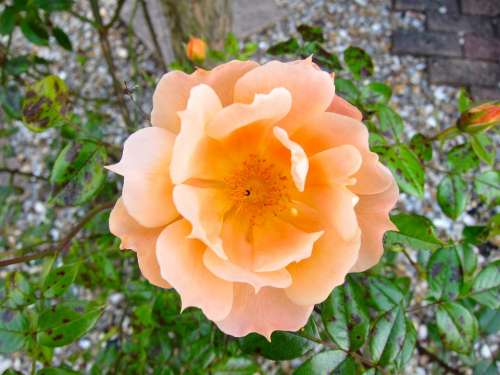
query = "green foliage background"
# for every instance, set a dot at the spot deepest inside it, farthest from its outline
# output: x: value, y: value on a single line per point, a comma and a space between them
x: 56, y: 291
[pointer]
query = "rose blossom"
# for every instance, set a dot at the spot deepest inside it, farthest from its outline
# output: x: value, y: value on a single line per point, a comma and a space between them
x: 253, y: 194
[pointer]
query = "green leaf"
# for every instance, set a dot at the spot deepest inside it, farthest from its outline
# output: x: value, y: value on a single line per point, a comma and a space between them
x: 452, y: 195
x: 326, y: 59
x: 62, y: 38
x: 345, y: 316
x: 19, y: 291
x: 485, y: 367
x: 322, y: 363
x: 347, y: 89
x: 384, y: 292
x: 486, y: 286
x: 54, y: 5
x: 468, y: 259
x: 7, y: 20
x: 489, y: 320
x: 35, y: 31
x: 444, y: 274
x: 231, y: 45
x: 65, y: 322
x: 78, y: 173
x: 45, y: 104
x: 358, y: 62
x: 421, y: 146
x: 405, y: 166
x: 461, y: 158
x: 56, y: 371
x: 236, y: 366
x: 483, y: 147
x: 374, y: 94
x: 388, y: 336
x: 476, y: 234
x: 463, y: 102
x: 457, y: 327
x: 289, y: 46
x: 59, y: 279
x: 283, y: 345
x: 14, y: 329
x: 408, y: 347
x: 487, y: 186
x: 415, y: 231
x: 311, y: 34
x: 389, y: 120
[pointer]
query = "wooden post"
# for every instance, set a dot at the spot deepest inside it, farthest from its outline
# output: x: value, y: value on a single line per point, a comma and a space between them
x: 210, y: 20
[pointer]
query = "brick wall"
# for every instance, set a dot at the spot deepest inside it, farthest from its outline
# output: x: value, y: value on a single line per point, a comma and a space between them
x: 461, y: 42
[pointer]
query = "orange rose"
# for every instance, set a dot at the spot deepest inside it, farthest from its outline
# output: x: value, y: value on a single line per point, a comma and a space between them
x: 196, y: 49
x: 480, y: 118
x: 253, y: 194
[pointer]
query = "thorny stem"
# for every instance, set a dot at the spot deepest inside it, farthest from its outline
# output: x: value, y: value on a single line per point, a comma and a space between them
x: 62, y: 245
x: 106, y: 51
x: 438, y: 360
x: 152, y: 31
x: 443, y: 134
x: 355, y: 355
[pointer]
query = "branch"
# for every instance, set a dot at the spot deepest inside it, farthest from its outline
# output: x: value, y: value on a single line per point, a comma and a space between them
x: 116, y: 15
x: 19, y: 173
x: 438, y: 360
x: 106, y: 51
x: 64, y: 242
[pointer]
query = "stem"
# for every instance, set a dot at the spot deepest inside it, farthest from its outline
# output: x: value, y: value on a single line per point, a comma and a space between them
x: 438, y: 360
x: 116, y: 15
x: 443, y: 134
x: 152, y: 32
x: 19, y: 173
x: 63, y: 244
x: 106, y: 51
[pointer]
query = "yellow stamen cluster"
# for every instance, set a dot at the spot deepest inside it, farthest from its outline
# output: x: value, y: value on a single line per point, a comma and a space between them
x: 258, y: 188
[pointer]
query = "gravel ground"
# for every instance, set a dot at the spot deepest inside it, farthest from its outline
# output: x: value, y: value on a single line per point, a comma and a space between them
x: 424, y: 107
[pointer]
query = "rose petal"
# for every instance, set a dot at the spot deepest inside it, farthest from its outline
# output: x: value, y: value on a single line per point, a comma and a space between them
x: 278, y: 243
x: 268, y: 108
x: 194, y: 155
x: 147, y: 189
x: 315, y: 277
x: 343, y: 107
x: 331, y: 130
x: 312, y: 89
x: 334, y: 166
x: 140, y: 239
x: 204, y: 208
x: 172, y: 92
x: 231, y: 272
x: 299, y: 161
x: 335, y: 205
x: 373, y: 218
x: 181, y: 264
x: 265, y: 312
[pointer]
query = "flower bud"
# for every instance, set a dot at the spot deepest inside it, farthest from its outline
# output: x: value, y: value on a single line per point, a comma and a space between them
x: 480, y: 118
x: 196, y: 49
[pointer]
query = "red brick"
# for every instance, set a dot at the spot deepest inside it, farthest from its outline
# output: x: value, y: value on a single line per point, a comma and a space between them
x: 478, y: 47
x: 485, y: 93
x: 426, y: 43
x: 485, y: 7
x: 460, y: 23
x: 458, y: 72
x: 424, y: 5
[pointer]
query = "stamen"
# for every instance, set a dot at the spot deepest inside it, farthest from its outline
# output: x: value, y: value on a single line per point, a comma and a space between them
x: 258, y: 188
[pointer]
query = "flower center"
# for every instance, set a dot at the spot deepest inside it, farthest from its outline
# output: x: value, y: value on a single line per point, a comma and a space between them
x: 258, y: 188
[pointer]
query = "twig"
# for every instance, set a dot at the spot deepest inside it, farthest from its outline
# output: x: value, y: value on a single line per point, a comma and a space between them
x: 116, y: 15
x: 438, y: 360
x: 63, y: 244
x: 24, y: 174
x: 106, y: 51
x: 152, y: 32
